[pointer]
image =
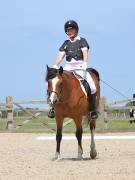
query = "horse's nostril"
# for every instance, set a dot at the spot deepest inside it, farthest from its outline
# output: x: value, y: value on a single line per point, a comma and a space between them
x: 55, y: 101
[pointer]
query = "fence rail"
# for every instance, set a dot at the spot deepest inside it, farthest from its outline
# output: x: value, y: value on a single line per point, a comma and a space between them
x: 122, y: 101
x: 9, y: 107
x: 104, y: 110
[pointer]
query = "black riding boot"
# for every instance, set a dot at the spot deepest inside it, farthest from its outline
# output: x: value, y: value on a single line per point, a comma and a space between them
x: 51, y: 113
x: 92, y: 101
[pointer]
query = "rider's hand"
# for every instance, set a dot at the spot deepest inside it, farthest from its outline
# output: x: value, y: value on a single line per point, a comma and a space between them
x: 55, y: 66
x: 84, y: 65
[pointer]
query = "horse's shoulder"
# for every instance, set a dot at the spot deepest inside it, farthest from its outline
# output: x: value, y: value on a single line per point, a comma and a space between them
x: 69, y: 75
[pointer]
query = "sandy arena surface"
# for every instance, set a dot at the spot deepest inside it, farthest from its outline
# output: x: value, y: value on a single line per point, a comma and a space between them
x: 23, y: 157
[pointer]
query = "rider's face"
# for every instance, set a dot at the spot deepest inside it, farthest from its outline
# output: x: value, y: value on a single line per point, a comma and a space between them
x: 71, y: 33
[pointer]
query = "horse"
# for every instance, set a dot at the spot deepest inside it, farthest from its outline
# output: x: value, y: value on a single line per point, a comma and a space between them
x: 68, y: 100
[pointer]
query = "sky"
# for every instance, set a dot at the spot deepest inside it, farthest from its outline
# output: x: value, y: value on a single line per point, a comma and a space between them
x: 32, y: 31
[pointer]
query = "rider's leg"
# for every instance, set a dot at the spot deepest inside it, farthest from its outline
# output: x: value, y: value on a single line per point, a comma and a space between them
x: 92, y: 101
x: 92, y: 97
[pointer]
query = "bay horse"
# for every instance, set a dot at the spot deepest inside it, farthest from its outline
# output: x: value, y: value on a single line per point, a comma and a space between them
x: 68, y: 99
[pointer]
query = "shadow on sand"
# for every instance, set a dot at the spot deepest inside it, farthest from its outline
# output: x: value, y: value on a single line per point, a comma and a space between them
x: 75, y: 159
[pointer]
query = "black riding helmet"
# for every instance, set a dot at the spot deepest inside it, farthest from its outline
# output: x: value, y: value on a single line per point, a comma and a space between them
x: 71, y: 24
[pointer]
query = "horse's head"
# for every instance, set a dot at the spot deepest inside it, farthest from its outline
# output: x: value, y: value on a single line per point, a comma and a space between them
x: 54, y: 79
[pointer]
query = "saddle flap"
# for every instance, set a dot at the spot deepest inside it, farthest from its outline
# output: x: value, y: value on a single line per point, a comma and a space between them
x: 83, y: 83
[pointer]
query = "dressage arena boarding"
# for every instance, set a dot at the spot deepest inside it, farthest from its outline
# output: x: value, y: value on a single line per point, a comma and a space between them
x: 29, y: 155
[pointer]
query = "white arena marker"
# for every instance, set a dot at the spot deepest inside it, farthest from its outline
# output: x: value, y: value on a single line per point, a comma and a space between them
x: 88, y: 137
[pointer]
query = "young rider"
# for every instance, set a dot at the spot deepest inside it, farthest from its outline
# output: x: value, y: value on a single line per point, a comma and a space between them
x: 76, y: 51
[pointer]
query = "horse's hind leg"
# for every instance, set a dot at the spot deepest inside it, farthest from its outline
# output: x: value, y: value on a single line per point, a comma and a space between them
x: 79, y: 132
x: 93, y: 152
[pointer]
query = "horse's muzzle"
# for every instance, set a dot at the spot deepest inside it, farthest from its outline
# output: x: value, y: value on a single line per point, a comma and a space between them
x: 52, y: 100
x: 51, y: 104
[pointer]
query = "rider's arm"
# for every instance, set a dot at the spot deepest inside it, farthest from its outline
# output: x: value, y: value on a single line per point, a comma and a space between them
x: 58, y: 60
x: 60, y: 57
x: 85, y: 57
x: 85, y: 54
x: 85, y: 49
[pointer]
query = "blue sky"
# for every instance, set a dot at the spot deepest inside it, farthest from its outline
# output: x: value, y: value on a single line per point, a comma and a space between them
x: 31, y: 32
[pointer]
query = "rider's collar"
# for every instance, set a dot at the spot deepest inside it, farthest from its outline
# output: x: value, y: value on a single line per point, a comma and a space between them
x: 76, y: 38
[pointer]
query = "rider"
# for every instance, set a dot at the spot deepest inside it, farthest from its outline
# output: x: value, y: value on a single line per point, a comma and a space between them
x: 76, y: 51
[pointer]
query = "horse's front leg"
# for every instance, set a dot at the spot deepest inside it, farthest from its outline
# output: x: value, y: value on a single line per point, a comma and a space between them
x: 59, y: 122
x: 79, y: 132
x: 93, y: 152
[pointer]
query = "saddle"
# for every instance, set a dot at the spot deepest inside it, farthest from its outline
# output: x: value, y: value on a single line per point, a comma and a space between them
x: 83, y: 83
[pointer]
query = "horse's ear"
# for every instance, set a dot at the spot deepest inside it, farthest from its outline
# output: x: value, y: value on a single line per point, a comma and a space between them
x: 61, y: 70
x: 47, y: 67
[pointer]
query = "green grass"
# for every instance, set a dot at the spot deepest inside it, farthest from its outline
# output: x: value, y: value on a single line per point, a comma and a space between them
x: 38, y: 125
x: 3, y: 125
x: 120, y: 125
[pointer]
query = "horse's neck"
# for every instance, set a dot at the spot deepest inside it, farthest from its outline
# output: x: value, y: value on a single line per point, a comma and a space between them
x: 71, y: 88
x: 67, y: 84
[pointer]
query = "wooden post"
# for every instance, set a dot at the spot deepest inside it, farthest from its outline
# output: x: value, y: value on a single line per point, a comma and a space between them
x: 106, y: 119
x: 17, y: 113
x: 9, y: 106
x: 0, y: 115
x: 103, y: 114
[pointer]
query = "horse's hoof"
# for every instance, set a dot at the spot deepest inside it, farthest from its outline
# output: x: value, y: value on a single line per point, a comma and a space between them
x: 57, y: 157
x: 79, y: 158
x: 93, y: 154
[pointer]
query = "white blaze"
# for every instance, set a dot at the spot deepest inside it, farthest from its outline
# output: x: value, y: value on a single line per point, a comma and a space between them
x: 53, y: 95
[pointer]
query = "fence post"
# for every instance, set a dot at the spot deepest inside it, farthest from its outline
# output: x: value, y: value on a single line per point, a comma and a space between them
x: 9, y: 106
x: 0, y: 115
x: 103, y: 114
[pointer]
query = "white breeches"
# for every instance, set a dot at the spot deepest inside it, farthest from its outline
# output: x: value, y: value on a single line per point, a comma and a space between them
x: 77, y: 67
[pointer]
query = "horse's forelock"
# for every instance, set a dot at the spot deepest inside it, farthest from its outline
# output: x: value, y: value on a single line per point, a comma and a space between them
x: 51, y: 73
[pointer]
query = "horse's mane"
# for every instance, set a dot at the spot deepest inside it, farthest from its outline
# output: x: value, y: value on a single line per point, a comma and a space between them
x: 52, y: 73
